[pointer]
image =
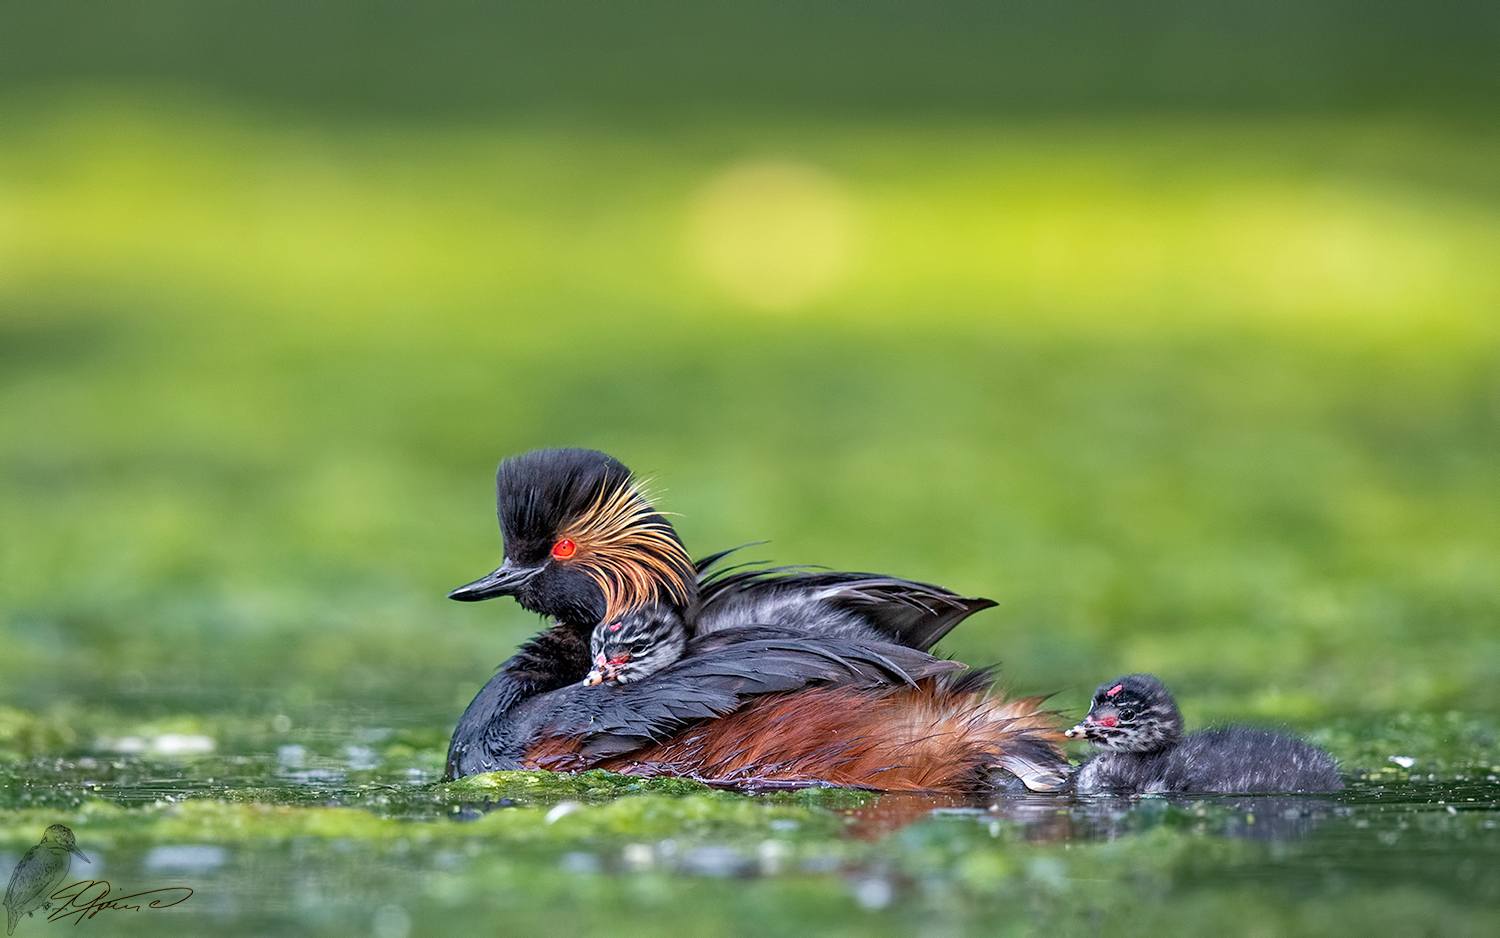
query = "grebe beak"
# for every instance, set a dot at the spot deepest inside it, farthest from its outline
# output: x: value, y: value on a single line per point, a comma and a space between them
x: 504, y: 581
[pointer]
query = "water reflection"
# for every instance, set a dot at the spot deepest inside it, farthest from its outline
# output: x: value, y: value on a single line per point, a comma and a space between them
x: 1260, y: 817
x: 1053, y: 818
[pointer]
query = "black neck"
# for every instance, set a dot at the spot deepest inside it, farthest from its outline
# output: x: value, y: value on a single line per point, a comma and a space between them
x: 555, y: 658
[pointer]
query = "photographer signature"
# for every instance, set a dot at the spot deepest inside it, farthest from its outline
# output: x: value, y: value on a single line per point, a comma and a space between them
x: 88, y: 897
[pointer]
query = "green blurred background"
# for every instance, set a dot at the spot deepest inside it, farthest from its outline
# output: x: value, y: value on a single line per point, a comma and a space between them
x: 1170, y: 326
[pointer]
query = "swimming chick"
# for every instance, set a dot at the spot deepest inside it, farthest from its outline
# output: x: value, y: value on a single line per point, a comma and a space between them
x: 638, y: 643
x: 40, y: 872
x: 1136, y: 724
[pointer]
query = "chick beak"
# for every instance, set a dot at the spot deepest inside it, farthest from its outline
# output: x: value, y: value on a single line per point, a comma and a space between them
x: 1077, y: 732
x: 79, y: 854
x: 601, y: 672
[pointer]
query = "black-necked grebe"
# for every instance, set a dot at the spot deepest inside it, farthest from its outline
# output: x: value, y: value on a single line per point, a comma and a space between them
x: 786, y: 676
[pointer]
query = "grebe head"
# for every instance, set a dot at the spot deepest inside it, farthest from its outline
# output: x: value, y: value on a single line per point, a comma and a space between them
x: 639, y: 643
x: 1134, y: 713
x: 582, y: 542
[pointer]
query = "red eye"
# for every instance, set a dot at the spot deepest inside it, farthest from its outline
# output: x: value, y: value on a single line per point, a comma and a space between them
x: 564, y: 549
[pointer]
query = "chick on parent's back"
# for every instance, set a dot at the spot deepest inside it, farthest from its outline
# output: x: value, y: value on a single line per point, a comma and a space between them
x: 1136, y: 724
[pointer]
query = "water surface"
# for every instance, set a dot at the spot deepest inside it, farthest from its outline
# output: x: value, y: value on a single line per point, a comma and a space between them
x: 350, y: 833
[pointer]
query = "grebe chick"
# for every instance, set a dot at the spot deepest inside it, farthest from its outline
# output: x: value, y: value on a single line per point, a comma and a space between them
x: 637, y: 644
x: 1136, y: 724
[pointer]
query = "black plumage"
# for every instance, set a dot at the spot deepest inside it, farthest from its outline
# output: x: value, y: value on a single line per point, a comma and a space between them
x: 1138, y: 728
x: 717, y: 674
x: 485, y: 739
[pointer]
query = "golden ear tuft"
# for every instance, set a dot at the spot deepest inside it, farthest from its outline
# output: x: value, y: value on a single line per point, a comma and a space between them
x: 629, y: 551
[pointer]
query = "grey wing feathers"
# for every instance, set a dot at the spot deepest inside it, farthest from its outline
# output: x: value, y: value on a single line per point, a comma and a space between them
x: 914, y: 614
x: 720, y: 672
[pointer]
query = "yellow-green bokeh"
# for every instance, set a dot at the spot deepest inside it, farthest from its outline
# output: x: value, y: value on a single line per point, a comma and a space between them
x: 1208, y: 396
